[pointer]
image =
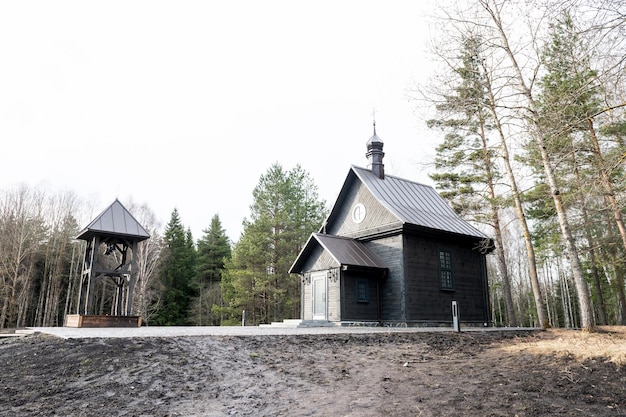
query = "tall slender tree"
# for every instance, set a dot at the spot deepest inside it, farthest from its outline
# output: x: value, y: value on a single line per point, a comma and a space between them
x: 177, y: 274
x: 499, y: 103
x: 285, y: 210
x: 22, y: 227
x: 213, y: 250
x: 466, y: 169
x: 570, y: 103
x: 541, y: 140
x: 517, y: 198
x: 149, y: 261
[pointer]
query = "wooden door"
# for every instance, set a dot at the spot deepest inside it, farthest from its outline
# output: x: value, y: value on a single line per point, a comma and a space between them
x: 319, y: 295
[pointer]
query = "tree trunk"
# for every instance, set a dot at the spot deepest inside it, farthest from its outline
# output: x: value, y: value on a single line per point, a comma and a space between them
x: 606, y: 183
x: 586, y: 312
x: 41, y: 303
x: 618, y: 283
x: 23, y: 305
x: 3, y: 312
x: 590, y: 242
x: 521, y: 217
x: 615, y: 209
x: 501, y: 260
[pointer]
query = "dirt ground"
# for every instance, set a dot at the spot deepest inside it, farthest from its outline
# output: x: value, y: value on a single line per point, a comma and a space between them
x: 512, y: 373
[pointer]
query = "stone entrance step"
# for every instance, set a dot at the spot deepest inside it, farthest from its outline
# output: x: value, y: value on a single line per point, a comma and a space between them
x: 297, y: 323
x: 17, y: 333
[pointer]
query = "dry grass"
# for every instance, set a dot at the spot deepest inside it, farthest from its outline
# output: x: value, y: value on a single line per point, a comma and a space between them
x: 608, y: 342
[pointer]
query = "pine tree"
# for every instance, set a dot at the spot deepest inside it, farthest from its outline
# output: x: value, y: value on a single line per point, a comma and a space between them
x: 466, y: 169
x: 285, y: 210
x: 569, y: 104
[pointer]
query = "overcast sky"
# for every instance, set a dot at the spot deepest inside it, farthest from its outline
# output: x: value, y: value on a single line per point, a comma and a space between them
x: 185, y: 104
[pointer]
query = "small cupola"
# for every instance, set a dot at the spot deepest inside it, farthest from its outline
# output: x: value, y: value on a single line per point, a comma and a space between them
x: 375, y: 155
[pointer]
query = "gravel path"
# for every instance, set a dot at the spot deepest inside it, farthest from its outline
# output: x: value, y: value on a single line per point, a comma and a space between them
x: 182, y: 331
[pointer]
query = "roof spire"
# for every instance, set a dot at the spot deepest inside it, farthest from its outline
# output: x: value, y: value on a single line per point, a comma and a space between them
x: 374, y: 119
x: 375, y: 153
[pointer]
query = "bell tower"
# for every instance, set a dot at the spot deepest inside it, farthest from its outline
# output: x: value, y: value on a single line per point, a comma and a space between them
x: 112, y: 239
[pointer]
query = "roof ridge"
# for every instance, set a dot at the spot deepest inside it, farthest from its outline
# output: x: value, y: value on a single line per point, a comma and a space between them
x: 356, y: 167
x: 430, y: 202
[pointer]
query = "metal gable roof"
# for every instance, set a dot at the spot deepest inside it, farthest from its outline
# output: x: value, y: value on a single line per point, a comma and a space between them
x: 115, y: 220
x: 344, y: 250
x: 348, y: 251
x: 416, y: 203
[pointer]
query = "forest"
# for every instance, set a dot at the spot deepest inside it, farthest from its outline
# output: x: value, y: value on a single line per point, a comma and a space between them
x: 528, y: 102
x: 179, y: 280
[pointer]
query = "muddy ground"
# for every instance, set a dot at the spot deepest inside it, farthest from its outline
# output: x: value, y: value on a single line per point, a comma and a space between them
x: 513, y: 373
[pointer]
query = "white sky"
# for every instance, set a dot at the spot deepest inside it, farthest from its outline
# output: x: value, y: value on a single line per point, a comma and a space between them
x: 187, y: 103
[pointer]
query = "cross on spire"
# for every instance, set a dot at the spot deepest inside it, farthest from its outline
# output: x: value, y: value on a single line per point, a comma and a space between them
x: 374, y: 119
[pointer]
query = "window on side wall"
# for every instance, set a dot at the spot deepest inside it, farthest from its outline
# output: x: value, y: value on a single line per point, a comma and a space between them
x: 446, y: 275
x: 362, y: 291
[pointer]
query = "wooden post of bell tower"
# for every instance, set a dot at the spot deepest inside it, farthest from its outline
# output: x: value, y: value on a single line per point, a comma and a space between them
x: 112, y: 239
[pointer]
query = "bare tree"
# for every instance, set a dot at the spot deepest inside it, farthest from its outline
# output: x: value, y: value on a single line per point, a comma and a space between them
x: 61, y: 230
x: 149, y: 258
x: 516, y: 195
x: 21, y: 228
x: 499, y: 103
x: 502, y: 40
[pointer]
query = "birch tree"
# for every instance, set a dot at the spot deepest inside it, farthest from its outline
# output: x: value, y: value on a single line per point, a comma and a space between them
x: 541, y: 140
x: 21, y: 228
x: 148, y: 261
x: 500, y: 100
x: 62, y: 228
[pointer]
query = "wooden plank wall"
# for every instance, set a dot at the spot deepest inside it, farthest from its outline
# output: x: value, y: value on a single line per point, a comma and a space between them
x: 393, y: 290
x: 426, y: 301
x: 333, y: 295
x: 307, y: 301
x: 376, y: 215
x: 354, y: 310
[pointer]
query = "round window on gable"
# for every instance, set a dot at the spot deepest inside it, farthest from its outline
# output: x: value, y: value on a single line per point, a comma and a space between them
x: 358, y: 213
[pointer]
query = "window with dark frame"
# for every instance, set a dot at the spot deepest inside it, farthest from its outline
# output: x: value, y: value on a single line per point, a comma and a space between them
x: 362, y: 291
x: 446, y: 277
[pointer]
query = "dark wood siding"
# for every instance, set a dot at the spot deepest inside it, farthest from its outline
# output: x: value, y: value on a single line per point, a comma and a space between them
x: 353, y: 309
x: 393, y: 290
x: 426, y: 301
